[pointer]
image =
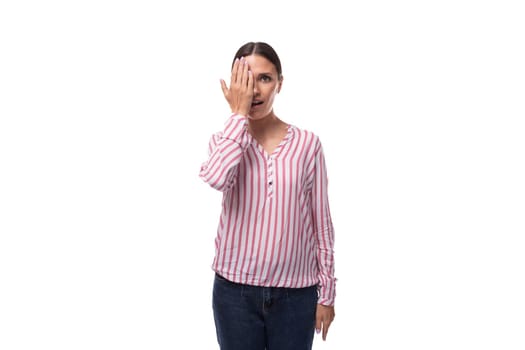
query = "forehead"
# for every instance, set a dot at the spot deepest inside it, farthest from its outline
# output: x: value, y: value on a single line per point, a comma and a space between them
x: 259, y: 64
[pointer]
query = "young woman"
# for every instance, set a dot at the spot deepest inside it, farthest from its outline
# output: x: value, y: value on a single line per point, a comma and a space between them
x: 274, y: 283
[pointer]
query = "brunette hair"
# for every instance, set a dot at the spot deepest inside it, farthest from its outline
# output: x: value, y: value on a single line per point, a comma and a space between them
x: 261, y: 49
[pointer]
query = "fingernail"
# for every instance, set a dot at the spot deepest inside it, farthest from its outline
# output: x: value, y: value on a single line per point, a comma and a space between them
x: 317, y: 331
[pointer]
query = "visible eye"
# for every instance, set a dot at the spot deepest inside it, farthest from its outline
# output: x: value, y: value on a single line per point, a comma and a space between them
x: 265, y: 78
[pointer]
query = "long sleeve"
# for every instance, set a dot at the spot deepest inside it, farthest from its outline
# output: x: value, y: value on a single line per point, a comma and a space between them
x: 323, y: 230
x: 226, y: 149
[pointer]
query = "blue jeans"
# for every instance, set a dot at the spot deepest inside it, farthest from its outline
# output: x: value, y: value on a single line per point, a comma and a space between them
x: 259, y: 318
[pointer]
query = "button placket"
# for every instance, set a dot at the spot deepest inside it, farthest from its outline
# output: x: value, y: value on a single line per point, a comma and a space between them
x: 270, y: 177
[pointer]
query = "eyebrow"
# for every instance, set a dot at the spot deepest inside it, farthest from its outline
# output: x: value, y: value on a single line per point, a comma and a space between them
x: 264, y: 73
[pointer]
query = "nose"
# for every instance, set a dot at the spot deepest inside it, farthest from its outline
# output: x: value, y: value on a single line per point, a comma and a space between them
x: 255, y: 88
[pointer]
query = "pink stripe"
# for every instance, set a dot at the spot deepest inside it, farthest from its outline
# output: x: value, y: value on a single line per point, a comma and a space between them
x: 282, y: 238
x: 250, y: 189
x: 261, y: 181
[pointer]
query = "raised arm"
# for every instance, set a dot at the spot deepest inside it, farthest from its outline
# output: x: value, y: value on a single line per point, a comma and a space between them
x: 225, y: 153
x: 227, y: 147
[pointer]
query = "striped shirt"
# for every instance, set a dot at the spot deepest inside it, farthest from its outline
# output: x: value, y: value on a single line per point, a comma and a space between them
x: 275, y: 228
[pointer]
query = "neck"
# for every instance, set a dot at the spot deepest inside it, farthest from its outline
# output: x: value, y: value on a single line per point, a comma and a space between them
x: 264, y: 125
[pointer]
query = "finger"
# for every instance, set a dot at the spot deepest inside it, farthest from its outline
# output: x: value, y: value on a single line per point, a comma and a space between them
x: 241, y: 75
x: 326, y: 325
x: 250, y: 80
x: 234, y: 72
x: 244, y: 73
x: 318, y: 324
x: 224, y: 88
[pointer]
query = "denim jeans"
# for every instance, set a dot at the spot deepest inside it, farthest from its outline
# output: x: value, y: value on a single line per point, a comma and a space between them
x: 259, y: 318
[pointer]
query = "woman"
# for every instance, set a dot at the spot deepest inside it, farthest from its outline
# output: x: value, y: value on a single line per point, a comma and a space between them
x: 274, y: 264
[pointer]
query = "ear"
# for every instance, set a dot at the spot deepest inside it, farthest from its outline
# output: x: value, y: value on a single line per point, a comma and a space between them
x: 280, y: 84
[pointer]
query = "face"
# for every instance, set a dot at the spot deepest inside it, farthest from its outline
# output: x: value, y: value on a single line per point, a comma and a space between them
x: 266, y: 85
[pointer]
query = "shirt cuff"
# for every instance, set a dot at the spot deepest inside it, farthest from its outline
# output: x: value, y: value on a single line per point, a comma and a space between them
x: 327, y: 295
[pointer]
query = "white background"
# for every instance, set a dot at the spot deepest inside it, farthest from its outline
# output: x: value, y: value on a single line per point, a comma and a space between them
x: 106, y: 108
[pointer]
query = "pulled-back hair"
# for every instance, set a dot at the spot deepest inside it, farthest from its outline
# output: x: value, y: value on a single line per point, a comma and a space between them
x: 261, y: 49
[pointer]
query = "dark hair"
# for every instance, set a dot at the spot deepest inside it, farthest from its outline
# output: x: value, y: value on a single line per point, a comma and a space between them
x: 261, y: 49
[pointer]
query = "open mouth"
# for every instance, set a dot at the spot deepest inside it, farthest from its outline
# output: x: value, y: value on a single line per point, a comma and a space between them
x: 256, y: 103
